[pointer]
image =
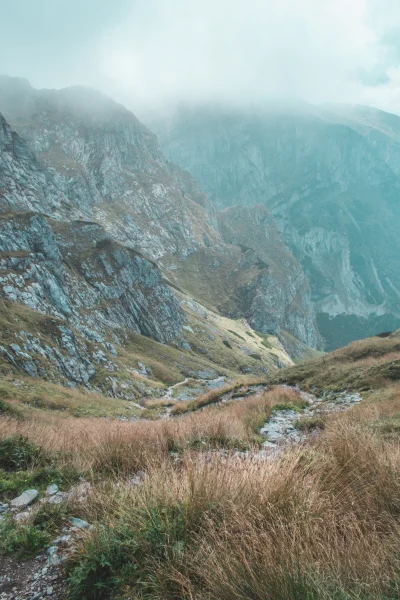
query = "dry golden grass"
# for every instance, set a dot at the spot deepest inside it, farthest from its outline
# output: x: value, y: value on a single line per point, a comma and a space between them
x: 214, y: 396
x: 37, y: 395
x: 370, y: 361
x: 117, y: 447
x: 318, y: 522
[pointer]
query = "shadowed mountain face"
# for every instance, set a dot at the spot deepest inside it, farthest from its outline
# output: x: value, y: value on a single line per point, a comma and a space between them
x: 331, y: 179
x: 99, y: 230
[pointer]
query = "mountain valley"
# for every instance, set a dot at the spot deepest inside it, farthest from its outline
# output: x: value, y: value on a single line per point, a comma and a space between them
x: 171, y: 427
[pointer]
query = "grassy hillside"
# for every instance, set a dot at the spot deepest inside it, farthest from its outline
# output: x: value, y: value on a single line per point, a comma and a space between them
x: 212, y: 346
x: 214, y: 515
x: 369, y: 364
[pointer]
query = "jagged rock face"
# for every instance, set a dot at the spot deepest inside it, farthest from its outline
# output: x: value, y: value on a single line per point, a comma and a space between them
x: 23, y: 184
x: 280, y: 297
x: 106, y: 166
x: 94, y: 161
x: 72, y: 270
x: 331, y: 180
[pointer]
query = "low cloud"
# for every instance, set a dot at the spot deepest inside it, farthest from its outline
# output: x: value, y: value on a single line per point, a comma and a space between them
x: 157, y: 53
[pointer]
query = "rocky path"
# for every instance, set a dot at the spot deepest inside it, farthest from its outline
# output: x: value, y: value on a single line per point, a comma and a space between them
x: 170, y: 391
x: 31, y: 580
x: 42, y: 577
x: 283, y: 425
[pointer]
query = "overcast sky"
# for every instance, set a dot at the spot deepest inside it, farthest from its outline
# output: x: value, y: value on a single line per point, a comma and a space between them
x: 160, y: 52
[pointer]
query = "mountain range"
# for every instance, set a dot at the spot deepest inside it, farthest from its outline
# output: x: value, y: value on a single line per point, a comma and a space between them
x: 104, y: 235
x: 244, y: 242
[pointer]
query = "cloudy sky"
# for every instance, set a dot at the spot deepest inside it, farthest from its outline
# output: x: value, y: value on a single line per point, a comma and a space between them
x: 151, y: 53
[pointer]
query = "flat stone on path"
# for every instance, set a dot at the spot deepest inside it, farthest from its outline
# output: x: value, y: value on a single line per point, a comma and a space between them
x: 24, y: 499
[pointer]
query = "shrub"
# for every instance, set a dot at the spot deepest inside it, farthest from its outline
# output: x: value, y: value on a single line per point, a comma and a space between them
x: 227, y: 344
x: 17, y: 452
x: 19, y: 539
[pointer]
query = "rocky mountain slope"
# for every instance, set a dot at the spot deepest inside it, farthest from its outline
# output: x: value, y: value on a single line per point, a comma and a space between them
x: 330, y: 178
x: 87, y: 204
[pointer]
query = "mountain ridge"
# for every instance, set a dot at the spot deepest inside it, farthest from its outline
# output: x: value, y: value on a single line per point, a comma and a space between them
x: 141, y: 200
x: 331, y: 183
x: 101, y: 233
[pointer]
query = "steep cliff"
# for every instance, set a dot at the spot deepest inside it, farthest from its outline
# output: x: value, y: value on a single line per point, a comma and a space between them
x: 94, y: 161
x: 105, y: 166
x: 330, y: 178
x: 280, y: 296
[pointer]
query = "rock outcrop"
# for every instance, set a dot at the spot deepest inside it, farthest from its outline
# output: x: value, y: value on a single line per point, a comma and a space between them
x: 280, y: 296
x: 73, y: 270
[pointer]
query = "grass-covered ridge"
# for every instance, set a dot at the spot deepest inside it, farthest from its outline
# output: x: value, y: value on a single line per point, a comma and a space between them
x: 364, y: 365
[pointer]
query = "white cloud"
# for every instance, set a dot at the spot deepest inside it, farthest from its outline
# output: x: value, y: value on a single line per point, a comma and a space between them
x: 159, y: 52
x: 170, y: 51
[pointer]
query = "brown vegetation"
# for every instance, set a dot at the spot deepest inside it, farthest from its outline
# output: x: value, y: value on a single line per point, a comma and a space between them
x: 320, y: 521
x: 364, y: 365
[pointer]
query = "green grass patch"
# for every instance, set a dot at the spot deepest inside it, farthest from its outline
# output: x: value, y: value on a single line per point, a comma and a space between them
x: 130, y: 554
x: 388, y: 427
x: 9, y: 410
x: 50, y: 517
x: 364, y: 365
x: 266, y: 344
x: 14, y: 483
x: 17, y: 452
x: 296, y: 407
x: 17, y: 539
x: 24, y: 539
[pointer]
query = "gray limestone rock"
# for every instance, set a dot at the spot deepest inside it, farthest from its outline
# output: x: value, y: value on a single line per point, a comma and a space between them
x: 52, y: 489
x: 25, y: 499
